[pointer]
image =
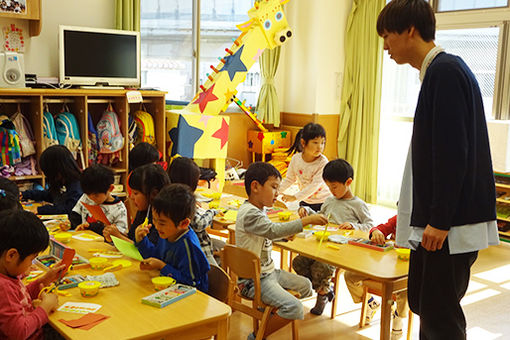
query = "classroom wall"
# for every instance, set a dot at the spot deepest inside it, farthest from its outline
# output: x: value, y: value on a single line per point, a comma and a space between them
x: 311, y: 73
x: 41, y: 52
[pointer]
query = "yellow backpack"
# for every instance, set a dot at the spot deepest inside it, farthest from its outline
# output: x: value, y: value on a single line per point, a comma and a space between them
x: 144, y: 127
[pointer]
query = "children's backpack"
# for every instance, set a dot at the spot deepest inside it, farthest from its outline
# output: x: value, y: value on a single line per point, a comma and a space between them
x: 10, y: 152
x: 110, y: 138
x: 132, y: 131
x: 68, y: 133
x: 93, y: 147
x: 145, y: 127
x: 49, y: 132
x: 25, y: 134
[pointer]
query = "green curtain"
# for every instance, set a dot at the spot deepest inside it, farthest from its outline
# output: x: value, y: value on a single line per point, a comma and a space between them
x: 358, y: 136
x: 268, y: 107
x: 127, y: 15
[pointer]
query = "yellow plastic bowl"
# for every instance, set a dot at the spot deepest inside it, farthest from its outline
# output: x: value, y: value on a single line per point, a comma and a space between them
x: 63, y: 237
x: 98, y: 263
x: 89, y: 288
x: 322, y: 235
x: 162, y: 282
x: 284, y: 215
x: 403, y: 253
x: 214, y: 204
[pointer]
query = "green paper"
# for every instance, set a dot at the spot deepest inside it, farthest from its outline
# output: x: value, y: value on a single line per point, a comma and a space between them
x: 127, y: 248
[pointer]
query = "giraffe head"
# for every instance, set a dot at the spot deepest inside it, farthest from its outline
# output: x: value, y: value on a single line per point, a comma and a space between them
x: 269, y: 16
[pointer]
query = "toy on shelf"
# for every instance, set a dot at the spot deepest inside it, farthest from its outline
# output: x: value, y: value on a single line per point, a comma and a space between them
x: 267, y: 142
x: 266, y: 29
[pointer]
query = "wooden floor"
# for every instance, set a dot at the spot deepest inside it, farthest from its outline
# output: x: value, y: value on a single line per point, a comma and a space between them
x: 486, y: 304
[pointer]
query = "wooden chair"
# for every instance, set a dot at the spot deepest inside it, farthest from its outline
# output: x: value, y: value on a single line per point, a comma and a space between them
x: 243, y: 263
x: 375, y: 287
x: 218, y: 283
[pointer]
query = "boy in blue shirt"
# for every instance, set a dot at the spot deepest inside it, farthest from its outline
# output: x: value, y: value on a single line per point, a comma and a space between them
x: 177, y: 253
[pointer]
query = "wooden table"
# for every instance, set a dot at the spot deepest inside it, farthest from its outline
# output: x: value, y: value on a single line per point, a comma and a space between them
x: 197, y: 316
x: 380, y: 266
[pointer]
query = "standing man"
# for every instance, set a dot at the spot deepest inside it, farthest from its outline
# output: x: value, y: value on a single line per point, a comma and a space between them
x: 447, y: 205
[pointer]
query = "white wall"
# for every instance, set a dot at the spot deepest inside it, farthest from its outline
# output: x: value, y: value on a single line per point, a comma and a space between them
x: 311, y: 67
x: 41, y: 52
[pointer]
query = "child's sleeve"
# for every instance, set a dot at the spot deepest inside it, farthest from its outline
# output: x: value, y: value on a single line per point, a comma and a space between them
x: 365, y: 220
x: 37, y: 195
x: 120, y: 218
x: 316, y: 184
x: 14, y: 322
x: 203, y: 219
x: 146, y: 247
x: 259, y: 224
x: 388, y: 227
x: 66, y: 203
x: 290, y: 178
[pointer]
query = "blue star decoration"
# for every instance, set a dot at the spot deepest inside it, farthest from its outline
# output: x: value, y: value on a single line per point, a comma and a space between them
x: 233, y: 64
x: 184, y: 137
x: 250, y: 144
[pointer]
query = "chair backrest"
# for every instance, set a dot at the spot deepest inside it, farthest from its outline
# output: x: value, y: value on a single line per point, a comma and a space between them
x: 245, y: 264
x: 218, y: 283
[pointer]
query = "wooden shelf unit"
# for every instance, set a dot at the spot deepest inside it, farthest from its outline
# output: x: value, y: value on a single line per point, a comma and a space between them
x: 504, y: 235
x: 32, y: 103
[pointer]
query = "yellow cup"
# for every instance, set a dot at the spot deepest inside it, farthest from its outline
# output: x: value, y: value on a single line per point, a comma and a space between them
x: 98, y: 263
x: 214, y: 204
x: 63, y: 237
x: 322, y: 235
x: 284, y: 215
x: 162, y: 282
x: 89, y: 288
x: 403, y: 253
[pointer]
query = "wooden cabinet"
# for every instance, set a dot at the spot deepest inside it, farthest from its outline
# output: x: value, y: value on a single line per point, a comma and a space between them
x: 503, y: 204
x: 32, y: 102
x: 33, y: 15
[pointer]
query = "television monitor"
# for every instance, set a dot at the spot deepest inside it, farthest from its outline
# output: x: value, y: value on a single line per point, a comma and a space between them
x: 99, y: 57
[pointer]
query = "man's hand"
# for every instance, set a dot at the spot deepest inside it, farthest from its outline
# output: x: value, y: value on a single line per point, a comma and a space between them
x: 142, y: 231
x: 152, y: 263
x: 345, y: 225
x: 302, y: 212
x: 377, y: 237
x: 433, y: 238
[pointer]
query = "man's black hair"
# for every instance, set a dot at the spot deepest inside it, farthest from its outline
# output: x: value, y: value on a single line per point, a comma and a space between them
x: 400, y: 15
x: 260, y: 172
x: 96, y: 179
x: 176, y: 201
x: 23, y: 231
x: 338, y: 170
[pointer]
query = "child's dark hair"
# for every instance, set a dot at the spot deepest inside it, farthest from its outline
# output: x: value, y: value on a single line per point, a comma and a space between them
x: 143, y: 153
x: 8, y: 201
x: 149, y: 179
x: 59, y: 167
x: 176, y: 201
x: 338, y: 170
x: 9, y: 186
x: 23, y: 231
x: 260, y: 172
x: 96, y: 179
x: 308, y: 132
x: 400, y: 15
x: 184, y: 170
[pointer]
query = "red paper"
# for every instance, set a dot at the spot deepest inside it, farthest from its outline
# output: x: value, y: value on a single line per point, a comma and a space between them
x: 97, y: 213
x: 86, y: 322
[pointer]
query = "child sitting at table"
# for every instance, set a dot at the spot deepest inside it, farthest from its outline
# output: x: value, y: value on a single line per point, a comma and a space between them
x: 63, y: 178
x: 256, y: 232
x: 9, y: 195
x: 177, y: 253
x: 22, y: 237
x: 184, y: 170
x: 343, y: 208
x: 354, y: 281
x: 97, y: 184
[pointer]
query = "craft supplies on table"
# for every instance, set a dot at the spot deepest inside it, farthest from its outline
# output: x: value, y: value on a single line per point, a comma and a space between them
x: 369, y: 244
x: 162, y: 282
x: 127, y: 248
x: 98, y: 263
x: 79, y: 307
x: 106, y: 280
x: 89, y: 288
x: 169, y: 295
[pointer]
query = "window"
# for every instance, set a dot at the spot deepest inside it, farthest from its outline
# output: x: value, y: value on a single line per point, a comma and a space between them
x: 479, y: 38
x: 167, y: 44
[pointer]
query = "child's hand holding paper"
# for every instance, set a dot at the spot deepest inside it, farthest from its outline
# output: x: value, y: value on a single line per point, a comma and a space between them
x: 82, y: 226
x: 152, y: 263
x: 53, y: 274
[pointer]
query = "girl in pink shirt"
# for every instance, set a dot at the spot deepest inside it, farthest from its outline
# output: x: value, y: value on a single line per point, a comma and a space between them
x: 306, y: 167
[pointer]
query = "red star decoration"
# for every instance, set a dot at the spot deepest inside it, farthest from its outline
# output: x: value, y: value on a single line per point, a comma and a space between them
x: 222, y: 133
x: 300, y: 172
x: 260, y: 136
x: 204, y: 98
